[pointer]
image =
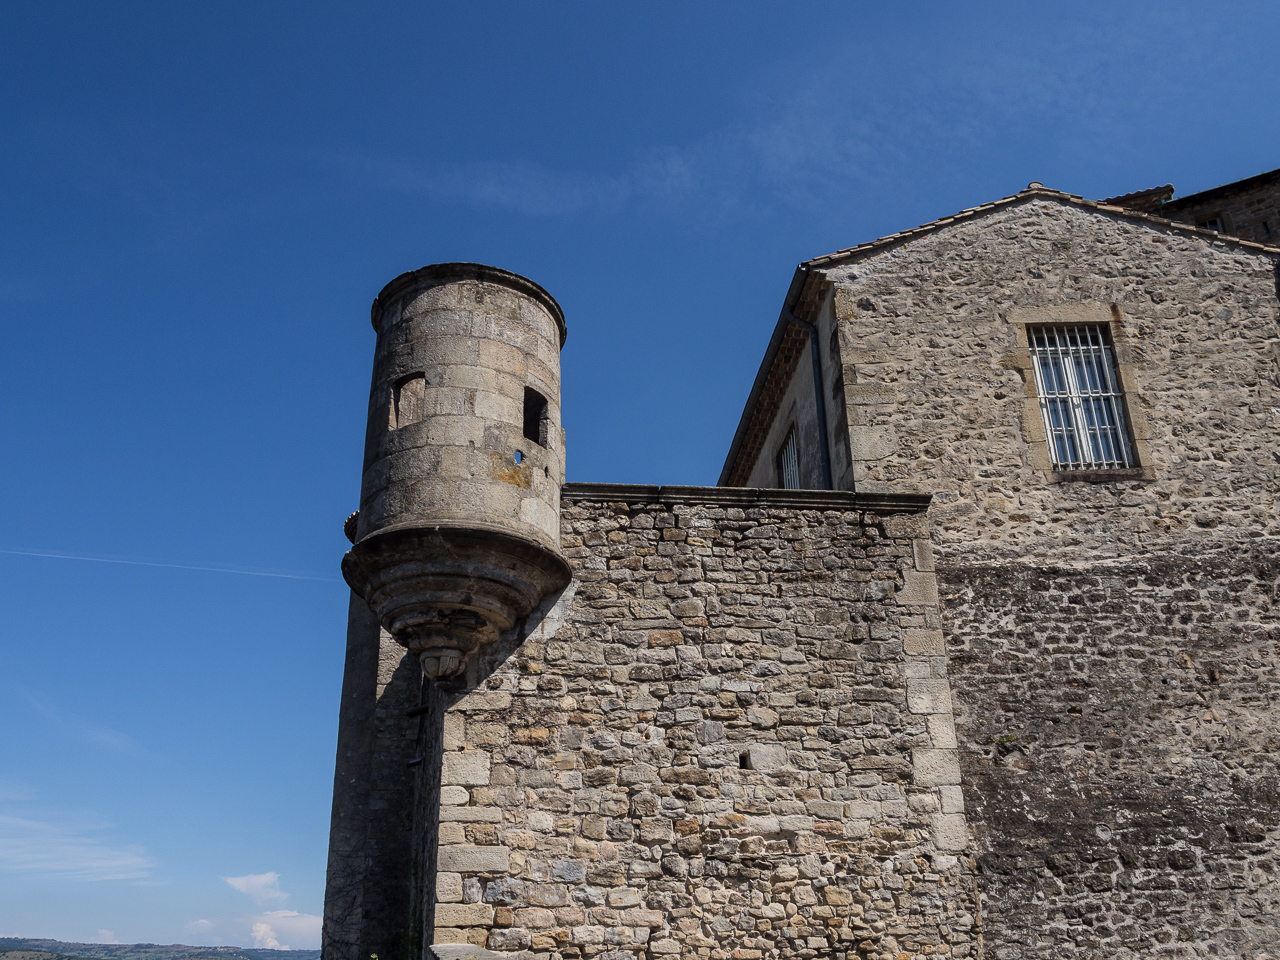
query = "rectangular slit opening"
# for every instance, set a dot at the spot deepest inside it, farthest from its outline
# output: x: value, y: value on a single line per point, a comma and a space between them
x: 536, y: 426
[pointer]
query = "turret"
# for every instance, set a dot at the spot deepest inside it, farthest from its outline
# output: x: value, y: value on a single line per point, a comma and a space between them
x: 458, y: 533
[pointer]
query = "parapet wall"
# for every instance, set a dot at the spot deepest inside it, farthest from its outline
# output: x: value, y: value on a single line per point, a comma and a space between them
x: 731, y: 737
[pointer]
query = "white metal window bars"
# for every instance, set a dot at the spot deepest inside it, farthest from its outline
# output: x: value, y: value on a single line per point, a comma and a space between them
x: 1080, y: 397
x: 788, y: 463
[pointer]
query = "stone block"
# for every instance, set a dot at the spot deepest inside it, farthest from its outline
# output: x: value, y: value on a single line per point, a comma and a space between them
x: 919, y: 589
x: 470, y: 814
x: 795, y: 824
x: 872, y: 443
x: 470, y: 859
x: 624, y: 897
x: 484, y: 701
x: 453, y: 796
x: 923, y: 642
x: 952, y: 798
x: 512, y: 938
x: 455, y: 731
x: 464, y: 914
x: 934, y: 768
x: 864, y: 394
x: 949, y: 831
x: 929, y: 696
x: 467, y: 951
x: 466, y: 769
x: 767, y: 757
x: 942, y: 730
x: 449, y: 887
x: 862, y: 810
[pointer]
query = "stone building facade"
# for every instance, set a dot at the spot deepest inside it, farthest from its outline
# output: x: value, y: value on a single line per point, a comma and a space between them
x: 918, y: 678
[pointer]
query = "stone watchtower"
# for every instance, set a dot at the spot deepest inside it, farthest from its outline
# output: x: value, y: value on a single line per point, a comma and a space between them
x: 457, y: 538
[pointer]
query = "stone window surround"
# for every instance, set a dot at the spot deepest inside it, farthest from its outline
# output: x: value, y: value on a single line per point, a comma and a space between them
x: 1064, y: 314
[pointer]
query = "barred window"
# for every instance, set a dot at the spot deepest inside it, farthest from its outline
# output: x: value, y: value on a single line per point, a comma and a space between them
x: 788, y: 463
x: 1080, y: 397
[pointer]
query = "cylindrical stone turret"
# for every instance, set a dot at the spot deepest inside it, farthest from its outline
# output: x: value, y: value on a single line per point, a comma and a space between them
x: 458, y: 533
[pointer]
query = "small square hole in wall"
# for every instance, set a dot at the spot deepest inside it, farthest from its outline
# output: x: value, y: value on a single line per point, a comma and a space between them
x: 536, y: 426
x: 410, y: 398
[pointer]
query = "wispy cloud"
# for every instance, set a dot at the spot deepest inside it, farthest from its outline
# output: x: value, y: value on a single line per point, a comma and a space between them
x: 529, y: 188
x: 85, y: 730
x: 105, y: 936
x: 66, y: 851
x: 263, y: 887
x: 828, y: 130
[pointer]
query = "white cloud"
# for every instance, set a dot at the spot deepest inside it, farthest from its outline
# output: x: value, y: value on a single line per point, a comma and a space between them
x: 263, y: 887
x: 34, y: 846
x: 105, y: 936
x: 301, y: 929
x: 265, y: 937
x: 275, y: 929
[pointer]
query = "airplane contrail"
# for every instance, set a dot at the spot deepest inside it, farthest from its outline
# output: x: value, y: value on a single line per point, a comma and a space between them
x: 171, y: 566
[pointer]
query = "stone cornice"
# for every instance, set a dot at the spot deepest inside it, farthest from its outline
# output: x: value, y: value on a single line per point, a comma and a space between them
x: 747, y: 497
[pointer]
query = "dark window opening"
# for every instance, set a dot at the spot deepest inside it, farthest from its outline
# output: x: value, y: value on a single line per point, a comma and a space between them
x: 1213, y: 223
x: 788, y: 463
x: 744, y: 761
x: 536, y: 425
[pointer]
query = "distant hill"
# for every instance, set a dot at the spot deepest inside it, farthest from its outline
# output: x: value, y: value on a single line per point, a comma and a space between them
x: 15, y: 948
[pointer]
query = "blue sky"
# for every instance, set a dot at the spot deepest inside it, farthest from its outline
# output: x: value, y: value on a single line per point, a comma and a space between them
x: 199, y: 202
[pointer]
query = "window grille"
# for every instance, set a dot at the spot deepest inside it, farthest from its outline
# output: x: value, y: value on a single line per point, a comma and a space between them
x: 1080, y: 397
x: 788, y: 462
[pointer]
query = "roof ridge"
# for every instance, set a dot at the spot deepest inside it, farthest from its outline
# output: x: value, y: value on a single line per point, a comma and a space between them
x: 1030, y: 193
x: 1139, y: 193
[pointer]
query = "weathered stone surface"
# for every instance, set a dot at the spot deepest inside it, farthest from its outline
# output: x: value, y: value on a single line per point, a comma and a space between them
x: 935, y: 768
x: 464, y: 951
x: 1111, y: 642
x: 469, y: 769
x: 466, y: 859
x: 661, y: 810
x: 463, y: 914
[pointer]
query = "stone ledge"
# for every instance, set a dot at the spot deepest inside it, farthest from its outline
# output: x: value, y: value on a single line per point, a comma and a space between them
x: 466, y: 951
x: 748, y: 497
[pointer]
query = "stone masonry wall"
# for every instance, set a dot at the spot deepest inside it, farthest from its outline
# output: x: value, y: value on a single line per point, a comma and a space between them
x: 937, y: 399
x: 1250, y: 211
x: 737, y: 743
x: 1119, y: 741
x: 367, y: 903
x: 1113, y: 643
